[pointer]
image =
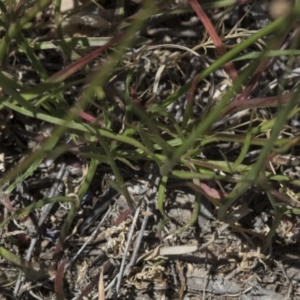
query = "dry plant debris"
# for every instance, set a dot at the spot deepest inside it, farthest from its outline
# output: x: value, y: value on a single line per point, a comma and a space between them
x: 149, y: 149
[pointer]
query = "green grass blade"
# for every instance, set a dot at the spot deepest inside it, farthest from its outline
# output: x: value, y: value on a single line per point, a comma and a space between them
x: 245, y: 147
x: 15, y: 27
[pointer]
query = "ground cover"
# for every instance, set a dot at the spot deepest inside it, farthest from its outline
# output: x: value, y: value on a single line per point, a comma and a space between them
x: 149, y: 149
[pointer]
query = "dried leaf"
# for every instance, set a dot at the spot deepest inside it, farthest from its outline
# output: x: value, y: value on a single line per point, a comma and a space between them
x: 177, y: 250
x: 101, y: 293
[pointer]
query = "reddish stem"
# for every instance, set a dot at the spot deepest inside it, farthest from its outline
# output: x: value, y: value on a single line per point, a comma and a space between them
x: 229, y: 67
x: 210, y: 193
x: 74, y: 67
x: 238, y: 105
x: 90, y: 118
x: 123, y: 216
